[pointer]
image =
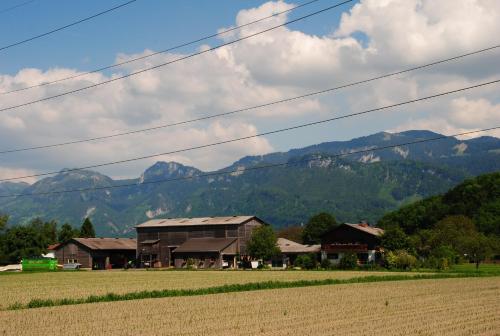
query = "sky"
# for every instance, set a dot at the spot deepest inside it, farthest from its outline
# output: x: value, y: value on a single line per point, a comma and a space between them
x: 356, y: 41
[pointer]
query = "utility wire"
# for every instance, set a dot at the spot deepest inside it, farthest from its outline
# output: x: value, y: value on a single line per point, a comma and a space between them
x: 186, y: 44
x: 259, y: 134
x: 225, y: 172
x: 310, y: 94
x: 66, y: 26
x: 5, y: 10
x: 175, y: 60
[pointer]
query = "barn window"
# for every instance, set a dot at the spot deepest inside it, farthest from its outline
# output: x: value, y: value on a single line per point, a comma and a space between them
x: 72, y: 261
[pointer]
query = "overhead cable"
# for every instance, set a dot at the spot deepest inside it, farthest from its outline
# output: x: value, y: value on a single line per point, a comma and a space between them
x: 185, y: 44
x: 114, y: 79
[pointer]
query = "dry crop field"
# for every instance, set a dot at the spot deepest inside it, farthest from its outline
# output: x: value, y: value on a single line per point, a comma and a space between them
x: 466, y: 306
x: 21, y: 288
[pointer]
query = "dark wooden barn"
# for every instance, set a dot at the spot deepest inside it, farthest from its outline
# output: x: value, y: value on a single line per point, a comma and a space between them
x: 209, y: 242
x: 362, y: 239
x: 97, y: 253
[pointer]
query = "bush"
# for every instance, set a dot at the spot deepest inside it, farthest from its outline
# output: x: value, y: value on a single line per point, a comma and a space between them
x: 400, y: 260
x: 348, y: 261
x: 305, y: 261
x: 326, y: 264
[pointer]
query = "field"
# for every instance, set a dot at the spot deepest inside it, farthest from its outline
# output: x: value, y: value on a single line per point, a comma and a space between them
x: 467, y: 306
x: 21, y: 288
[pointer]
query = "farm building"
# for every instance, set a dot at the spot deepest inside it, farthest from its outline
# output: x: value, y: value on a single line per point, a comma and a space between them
x: 290, y: 250
x: 206, y: 242
x: 97, y: 253
x: 362, y: 239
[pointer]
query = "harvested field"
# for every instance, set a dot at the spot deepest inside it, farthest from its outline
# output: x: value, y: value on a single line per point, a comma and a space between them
x: 21, y: 288
x: 467, y: 306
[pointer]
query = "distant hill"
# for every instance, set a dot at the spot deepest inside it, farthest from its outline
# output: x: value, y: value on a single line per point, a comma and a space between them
x: 477, y: 198
x: 355, y: 187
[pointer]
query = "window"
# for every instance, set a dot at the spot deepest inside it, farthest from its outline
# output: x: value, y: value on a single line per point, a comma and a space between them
x: 72, y: 261
x: 333, y: 256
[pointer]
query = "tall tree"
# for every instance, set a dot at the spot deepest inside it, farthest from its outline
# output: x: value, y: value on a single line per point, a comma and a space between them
x: 317, y: 226
x: 66, y: 233
x: 87, y: 229
x: 395, y: 239
x: 262, y: 243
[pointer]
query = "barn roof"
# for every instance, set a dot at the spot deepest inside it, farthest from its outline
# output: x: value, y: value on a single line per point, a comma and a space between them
x: 197, y: 221
x: 367, y: 228
x: 205, y: 245
x: 108, y: 243
x: 288, y: 246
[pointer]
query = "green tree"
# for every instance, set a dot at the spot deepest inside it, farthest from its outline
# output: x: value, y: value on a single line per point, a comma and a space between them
x: 24, y: 241
x: 395, y: 239
x: 317, y: 226
x: 479, y: 247
x: 348, y: 261
x: 66, y: 233
x: 262, y: 243
x: 3, y: 227
x: 87, y: 229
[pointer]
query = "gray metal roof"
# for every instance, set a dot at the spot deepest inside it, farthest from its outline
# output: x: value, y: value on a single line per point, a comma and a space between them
x: 108, y: 243
x: 196, y: 221
x: 288, y: 246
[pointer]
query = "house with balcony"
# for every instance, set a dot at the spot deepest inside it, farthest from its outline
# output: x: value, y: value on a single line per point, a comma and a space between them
x: 361, y: 239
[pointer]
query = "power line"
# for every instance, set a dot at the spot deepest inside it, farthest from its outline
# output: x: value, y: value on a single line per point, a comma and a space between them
x: 66, y: 26
x: 186, y: 44
x: 251, y: 107
x: 15, y: 6
x: 175, y: 60
x: 260, y: 134
x: 286, y: 165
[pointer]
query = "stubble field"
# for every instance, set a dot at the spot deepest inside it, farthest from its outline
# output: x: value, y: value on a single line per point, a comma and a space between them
x: 21, y: 288
x: 466, y: 306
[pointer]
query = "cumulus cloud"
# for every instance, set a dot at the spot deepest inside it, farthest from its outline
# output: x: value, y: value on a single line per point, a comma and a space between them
x: 279, y: 64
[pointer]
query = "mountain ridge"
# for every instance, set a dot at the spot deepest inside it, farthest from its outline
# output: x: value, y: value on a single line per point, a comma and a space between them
x: 315, y: 180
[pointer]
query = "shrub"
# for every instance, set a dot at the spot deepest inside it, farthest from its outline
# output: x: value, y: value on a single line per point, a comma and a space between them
x: 305, y: 261
x: 326, y: 264
x: 400, y: 260
x: 348, y: 261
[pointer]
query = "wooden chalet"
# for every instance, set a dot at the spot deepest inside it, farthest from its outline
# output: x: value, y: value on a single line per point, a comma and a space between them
x: 206, y: 242
x: 362, y: 239
x: 97, y: 253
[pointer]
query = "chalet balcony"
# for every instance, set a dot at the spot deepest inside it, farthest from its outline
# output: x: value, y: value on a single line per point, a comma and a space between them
x: 339, y: 247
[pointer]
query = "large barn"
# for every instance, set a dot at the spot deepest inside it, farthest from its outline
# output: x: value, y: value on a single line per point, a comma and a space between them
x: 361, y: 239
x: 206, y: 242
x: 97, y: 253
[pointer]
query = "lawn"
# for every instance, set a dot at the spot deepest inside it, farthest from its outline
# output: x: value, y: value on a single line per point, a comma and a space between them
x: 466, y: 306
x: 23, y: 287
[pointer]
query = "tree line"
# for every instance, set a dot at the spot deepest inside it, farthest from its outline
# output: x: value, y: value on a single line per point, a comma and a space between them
x: 31, y: 240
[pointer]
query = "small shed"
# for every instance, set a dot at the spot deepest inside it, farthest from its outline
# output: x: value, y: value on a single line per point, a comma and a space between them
x: 97, y: 253
x: 290, y: 250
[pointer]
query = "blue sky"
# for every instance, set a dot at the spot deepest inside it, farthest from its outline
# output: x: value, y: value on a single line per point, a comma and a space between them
x: 145, y: 24
x: 374, y: 37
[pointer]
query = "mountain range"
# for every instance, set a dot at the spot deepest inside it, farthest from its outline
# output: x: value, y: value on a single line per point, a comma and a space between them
x: 357, y: 186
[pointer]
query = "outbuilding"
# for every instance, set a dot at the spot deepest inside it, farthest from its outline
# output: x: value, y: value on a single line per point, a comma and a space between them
x: 97, y: 253
x: 290, y: 250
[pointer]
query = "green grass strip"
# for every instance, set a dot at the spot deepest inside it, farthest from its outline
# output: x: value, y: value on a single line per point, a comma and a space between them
x: 245, y: 287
